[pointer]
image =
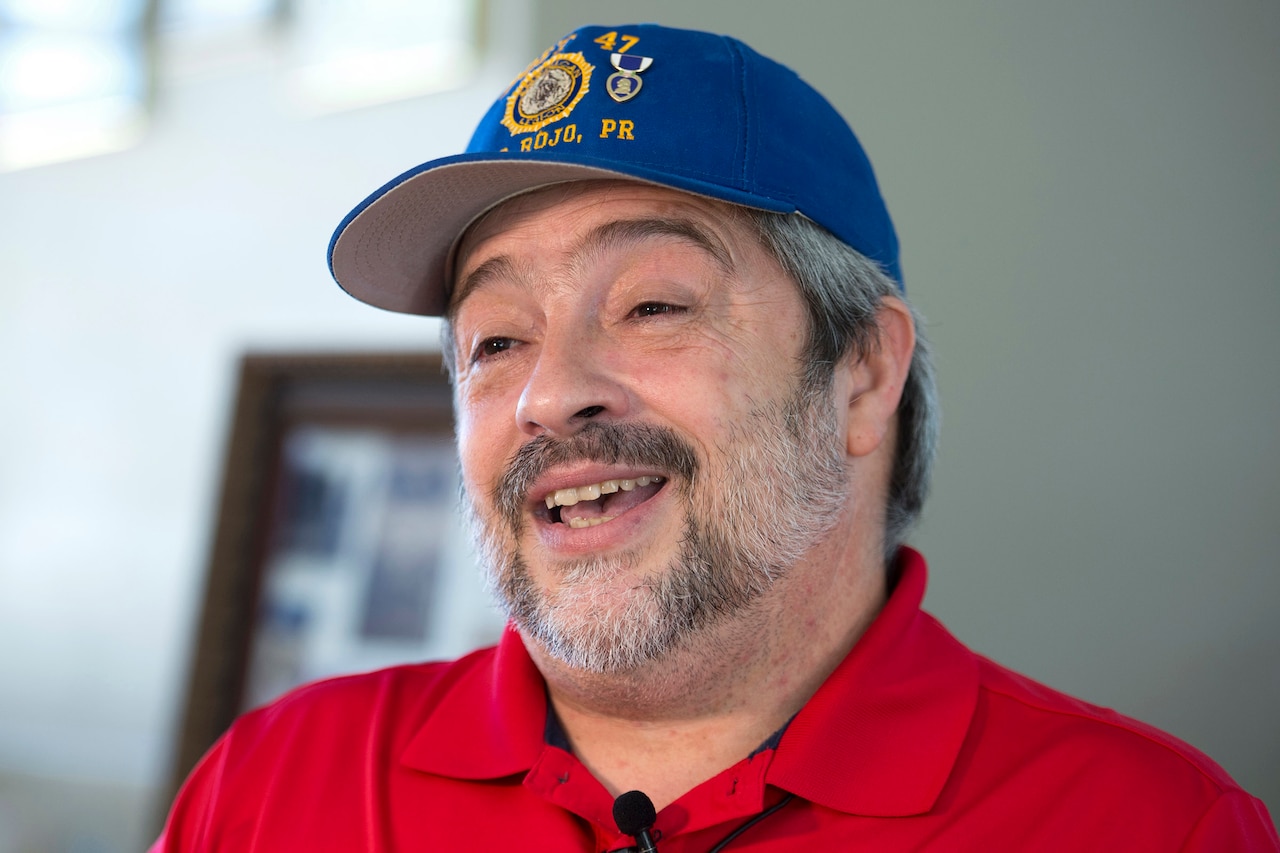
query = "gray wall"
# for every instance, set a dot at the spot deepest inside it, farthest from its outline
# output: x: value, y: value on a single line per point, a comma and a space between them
x: 1088, y: 197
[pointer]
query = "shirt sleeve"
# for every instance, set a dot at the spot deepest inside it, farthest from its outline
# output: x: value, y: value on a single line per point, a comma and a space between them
x: 187, y: 828
x: 1234, y: 822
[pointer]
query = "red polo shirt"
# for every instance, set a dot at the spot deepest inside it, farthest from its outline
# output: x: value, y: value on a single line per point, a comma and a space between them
x: 913, y: 742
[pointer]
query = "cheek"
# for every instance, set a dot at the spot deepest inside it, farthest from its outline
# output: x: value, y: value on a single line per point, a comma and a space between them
x: 700, y: 400
x: 478, y: 454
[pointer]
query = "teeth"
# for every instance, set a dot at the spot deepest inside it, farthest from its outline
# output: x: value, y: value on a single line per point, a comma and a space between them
x: 590, y: 492
x: 590, y: 522
x: 566, y: 497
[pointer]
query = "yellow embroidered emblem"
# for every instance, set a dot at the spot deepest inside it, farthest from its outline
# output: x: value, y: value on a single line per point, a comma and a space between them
x: 548, y: 93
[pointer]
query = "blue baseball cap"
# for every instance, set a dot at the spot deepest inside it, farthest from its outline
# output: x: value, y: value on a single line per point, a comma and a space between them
x: 690, y: 110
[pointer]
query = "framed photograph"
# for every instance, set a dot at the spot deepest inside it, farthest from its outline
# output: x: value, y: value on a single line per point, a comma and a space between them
x: 339, y: 546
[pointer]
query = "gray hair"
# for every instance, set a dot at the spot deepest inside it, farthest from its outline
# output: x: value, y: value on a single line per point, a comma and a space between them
x: 843, y: 291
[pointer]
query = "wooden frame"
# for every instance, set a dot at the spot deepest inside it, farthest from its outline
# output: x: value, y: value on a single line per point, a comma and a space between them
x: 397, y: 394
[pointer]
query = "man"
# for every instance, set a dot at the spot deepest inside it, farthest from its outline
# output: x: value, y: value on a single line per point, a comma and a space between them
x: 695, y: 420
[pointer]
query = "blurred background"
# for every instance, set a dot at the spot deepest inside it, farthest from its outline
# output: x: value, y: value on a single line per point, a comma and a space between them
x: 1088, y: 197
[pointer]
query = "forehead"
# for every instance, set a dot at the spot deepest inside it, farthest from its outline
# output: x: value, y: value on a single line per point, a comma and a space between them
x: 560, y: 214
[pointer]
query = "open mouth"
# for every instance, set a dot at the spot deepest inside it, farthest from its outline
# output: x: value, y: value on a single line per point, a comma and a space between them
x: 596, y: 503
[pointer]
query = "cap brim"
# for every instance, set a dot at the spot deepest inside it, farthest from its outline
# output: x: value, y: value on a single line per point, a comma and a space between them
x: 392, y: 251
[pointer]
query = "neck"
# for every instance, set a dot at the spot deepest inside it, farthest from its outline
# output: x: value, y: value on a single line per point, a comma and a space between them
x: 667, y: 727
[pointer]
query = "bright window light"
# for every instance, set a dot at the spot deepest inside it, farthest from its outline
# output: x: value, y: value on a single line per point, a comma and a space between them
x: 209, y: 16
x: 349, y: 53
x: 69, y: 131
x: 76, y: 75
x: 73, y: 79
x: 42, y: 67
x: 91, y: 15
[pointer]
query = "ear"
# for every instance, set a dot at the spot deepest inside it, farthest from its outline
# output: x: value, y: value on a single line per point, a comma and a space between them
x: 876, y: 380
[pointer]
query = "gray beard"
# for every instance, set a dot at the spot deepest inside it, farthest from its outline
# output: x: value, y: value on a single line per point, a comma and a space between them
x: 780, y: 489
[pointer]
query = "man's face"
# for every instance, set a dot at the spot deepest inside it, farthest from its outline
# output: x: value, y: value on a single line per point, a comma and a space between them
x: 639, y: 458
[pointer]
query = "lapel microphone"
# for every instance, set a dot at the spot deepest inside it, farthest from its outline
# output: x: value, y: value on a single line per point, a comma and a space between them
x: 634, y: 814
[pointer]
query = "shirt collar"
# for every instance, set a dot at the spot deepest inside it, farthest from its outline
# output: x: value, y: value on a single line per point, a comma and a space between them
x: 881, y: 735
x: 490, y: 722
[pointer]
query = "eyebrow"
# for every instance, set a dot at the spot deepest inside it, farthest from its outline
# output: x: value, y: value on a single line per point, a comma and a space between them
x: 624, y: 232
x: 498, y: 267
x: 618, y: 233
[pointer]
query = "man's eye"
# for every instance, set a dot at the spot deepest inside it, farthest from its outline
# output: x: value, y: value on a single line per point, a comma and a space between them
x: 490, y: 347
x: 653, y: 309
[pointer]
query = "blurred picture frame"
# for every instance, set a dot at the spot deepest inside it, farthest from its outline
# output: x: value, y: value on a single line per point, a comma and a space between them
x: 338, y: 545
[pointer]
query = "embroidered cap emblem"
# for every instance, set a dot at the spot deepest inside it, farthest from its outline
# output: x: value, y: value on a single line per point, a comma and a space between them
x: 623, y: 84
x: 548, y: 93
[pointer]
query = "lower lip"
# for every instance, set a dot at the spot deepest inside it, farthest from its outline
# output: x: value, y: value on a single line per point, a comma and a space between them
x: 622, y: 531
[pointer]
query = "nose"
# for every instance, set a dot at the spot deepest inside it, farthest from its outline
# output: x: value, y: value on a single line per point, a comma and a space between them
x: 571, y: 384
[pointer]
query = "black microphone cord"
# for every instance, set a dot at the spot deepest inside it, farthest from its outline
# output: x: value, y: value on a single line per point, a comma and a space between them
x: 764, y: 814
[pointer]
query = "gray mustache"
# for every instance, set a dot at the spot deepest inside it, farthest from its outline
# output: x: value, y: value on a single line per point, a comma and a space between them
x: 603, y: 443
